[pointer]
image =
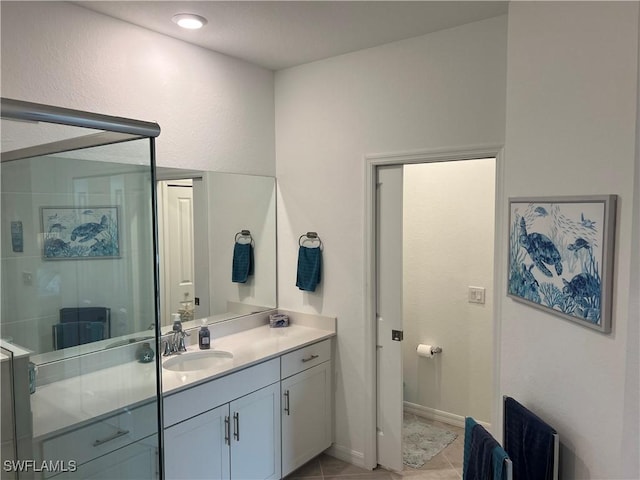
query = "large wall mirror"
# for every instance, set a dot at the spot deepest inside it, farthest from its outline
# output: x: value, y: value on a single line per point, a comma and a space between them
x: 60, y: 190
x: 201, y: 217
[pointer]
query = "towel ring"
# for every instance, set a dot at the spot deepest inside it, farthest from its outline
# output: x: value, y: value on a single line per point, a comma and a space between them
x: 310, y: 236
x: 244, y: 233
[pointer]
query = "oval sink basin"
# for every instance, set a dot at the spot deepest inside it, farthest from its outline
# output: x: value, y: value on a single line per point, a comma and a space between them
x: 188, y: 362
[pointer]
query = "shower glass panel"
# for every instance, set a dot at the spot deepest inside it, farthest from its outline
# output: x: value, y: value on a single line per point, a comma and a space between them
x: 8, y: 438
x: 78, y: 282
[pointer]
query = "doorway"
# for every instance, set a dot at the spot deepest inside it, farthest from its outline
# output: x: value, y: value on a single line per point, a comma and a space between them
x: 184, y: 262
x: 432, y: 279
x: 175, y: 201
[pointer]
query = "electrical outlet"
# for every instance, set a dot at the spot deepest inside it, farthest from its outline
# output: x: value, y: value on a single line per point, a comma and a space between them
x: 27, y: 278
x: 476, y: 295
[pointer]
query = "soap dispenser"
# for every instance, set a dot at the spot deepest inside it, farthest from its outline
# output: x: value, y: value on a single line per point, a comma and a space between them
x: 204, y: 336
x: 177, y: 322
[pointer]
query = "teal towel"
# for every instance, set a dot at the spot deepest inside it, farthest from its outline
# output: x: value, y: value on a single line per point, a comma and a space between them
x: 309, y: 268
x: 469, y: 425
x: 499, y: 458
x: 242, y: 266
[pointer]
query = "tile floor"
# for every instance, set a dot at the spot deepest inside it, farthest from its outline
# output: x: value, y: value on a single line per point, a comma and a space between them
x: 446, y: 465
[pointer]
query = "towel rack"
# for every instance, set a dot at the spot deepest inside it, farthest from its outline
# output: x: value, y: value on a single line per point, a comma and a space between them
x: 310, y: 236
x: 244, y: 234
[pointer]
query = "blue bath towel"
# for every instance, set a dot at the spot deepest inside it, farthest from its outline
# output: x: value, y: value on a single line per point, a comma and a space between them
x: 529, y: 442
x: 242, y: 262
x: 77, y: 333
x: 309, y: 268
x: 484, y: 458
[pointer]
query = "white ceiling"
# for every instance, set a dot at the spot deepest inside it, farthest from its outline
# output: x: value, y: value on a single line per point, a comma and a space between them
x: 281, y: 34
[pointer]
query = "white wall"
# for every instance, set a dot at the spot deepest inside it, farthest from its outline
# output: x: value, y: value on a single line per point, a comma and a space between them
x: 448, y: 245
x: 248, y: 202
x: 571, y: 129
x: 440, y: 90
x: 215, y: 112
x: 571, y: 97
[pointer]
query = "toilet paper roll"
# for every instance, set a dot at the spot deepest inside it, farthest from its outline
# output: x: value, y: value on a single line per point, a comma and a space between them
x: 424, y: 351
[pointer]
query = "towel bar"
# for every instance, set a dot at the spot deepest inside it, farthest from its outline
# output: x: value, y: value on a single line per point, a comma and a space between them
x: 244, y: 233
x: 311, y: 236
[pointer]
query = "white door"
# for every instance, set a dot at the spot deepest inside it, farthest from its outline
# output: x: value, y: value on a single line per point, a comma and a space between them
x: 255, y: 439
x: 179, y: 238
x: 389, y: 315
x: 201, y: 247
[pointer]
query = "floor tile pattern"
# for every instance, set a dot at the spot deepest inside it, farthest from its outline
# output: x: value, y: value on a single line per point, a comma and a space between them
x: 446, y: 465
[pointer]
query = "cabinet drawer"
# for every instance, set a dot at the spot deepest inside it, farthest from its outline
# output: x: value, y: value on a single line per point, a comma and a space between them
x: 104, y: 436
x: 305, y: 358
x: 193, y: 401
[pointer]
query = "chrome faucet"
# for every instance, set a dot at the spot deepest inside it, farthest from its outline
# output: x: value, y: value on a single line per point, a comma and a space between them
x: 174, y: 341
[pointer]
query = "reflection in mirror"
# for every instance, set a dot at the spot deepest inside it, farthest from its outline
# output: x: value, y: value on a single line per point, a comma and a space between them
x: 77, y: 273
x: 95, y: 191
x: 199, y: 217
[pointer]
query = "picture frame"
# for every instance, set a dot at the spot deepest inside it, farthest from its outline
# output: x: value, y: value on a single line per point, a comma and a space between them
x: 72, y: 233
x: 561, y: 252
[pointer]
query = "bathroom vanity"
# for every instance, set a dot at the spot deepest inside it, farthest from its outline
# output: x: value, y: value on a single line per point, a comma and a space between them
x: 259, y: 410
x: 260, y: 422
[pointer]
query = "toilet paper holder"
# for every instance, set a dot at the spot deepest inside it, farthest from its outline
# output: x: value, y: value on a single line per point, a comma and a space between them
x: 427, y: 350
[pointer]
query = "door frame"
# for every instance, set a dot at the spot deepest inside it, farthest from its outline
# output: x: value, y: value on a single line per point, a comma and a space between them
x: 372, y: 162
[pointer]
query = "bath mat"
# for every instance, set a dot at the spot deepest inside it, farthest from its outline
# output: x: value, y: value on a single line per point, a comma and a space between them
x: 422, y: 441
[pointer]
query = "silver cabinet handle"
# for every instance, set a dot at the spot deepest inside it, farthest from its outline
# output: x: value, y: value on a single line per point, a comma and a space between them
x: 118, y: 434
x: 236, y: 426
x: 286, y: 402
x: 227, y: 430
x: 312, y: 357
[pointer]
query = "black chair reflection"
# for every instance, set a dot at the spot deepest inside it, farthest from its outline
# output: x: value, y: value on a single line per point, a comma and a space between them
x: 80, y: 325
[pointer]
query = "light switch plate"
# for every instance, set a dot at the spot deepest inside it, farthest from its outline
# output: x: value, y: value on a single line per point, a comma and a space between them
x: 476, y: 295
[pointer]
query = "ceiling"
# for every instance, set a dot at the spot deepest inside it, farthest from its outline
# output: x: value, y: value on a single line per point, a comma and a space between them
x: 282, y: 34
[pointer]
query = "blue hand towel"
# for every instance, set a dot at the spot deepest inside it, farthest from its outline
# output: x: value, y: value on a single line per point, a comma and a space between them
x: 529, y: 442
x: 309, y: 268
x: 242, y: 262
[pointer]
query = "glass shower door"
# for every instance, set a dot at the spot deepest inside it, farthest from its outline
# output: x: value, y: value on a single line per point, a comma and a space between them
x: 79, y: 294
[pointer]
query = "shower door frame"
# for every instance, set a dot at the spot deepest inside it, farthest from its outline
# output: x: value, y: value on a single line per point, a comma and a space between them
x: 111, y: 130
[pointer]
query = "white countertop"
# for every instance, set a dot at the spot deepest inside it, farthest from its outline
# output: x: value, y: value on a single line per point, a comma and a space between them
x: 67, y: 403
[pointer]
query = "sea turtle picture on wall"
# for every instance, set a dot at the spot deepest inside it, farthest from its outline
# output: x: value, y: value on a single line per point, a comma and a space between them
x: 80, y: 233
x: 561, y: 256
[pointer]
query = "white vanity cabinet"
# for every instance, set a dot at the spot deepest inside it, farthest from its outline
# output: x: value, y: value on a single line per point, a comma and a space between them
x: 235, y: 433
x: 138, y: 460
x: 306, y: 404
x: 255, y: 435
x: 123, y: 445
x: 262, y: 422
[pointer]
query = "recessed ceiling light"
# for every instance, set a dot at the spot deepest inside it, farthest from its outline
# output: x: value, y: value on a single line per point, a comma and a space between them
x: 189, y: 20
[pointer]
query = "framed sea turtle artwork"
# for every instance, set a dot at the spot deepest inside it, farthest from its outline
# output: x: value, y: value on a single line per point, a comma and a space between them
x: 80, y: 233
x: 561, y: 256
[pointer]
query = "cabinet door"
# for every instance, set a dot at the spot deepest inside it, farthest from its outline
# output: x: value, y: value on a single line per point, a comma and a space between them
x: 138, y: 461
x: 198, y: 447
x: 306, y: 416
x: 255, y: 442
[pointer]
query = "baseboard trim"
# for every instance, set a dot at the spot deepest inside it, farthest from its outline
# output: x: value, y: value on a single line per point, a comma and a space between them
x: 346, y: 455
x: 439, y: 415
